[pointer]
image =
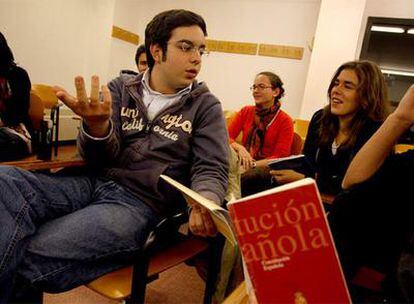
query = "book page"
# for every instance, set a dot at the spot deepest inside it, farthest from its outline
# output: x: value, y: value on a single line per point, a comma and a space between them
x: 292, y: 185
x: 280, y: 159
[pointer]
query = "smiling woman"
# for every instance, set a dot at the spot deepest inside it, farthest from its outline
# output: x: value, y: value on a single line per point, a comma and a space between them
x: 267, y: 132
x: 357, y: 106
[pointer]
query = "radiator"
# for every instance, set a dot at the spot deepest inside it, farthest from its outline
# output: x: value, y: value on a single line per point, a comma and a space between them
x: 68, y: 127
x: 68, y: 123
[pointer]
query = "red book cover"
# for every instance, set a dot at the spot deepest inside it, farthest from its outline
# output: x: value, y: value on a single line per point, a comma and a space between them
x: 287, y: 246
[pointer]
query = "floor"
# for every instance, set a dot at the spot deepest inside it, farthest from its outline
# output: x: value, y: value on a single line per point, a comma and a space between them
x: 179, y: 285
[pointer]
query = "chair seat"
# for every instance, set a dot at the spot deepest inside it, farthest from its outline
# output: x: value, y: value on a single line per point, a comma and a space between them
x: 117, y: 284
x: 301, y: 127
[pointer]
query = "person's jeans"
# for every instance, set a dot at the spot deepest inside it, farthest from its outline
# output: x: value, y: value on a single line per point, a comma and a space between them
x: 59, y: 232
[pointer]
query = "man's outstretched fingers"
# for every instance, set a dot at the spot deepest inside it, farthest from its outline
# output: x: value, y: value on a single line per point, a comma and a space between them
x: 107, y: 99
x: 80, y: 90
x: 94, y: 90
x: 64, y: 96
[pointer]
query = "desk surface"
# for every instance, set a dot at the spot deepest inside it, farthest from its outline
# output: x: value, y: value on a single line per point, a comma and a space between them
x: 67, y: 157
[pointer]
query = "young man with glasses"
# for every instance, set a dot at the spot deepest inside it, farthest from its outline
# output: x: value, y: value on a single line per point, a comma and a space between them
x: 60, y: 232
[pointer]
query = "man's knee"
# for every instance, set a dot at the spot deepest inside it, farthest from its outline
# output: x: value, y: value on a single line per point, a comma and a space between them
x: 13, y: 176
x: 8, y: 171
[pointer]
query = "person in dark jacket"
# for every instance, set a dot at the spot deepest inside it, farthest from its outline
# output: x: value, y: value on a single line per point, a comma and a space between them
x: 357, y: 106
x: 15, y: 124
x: 372, y: 220
x: 141, y: 59
x: 59, y: 232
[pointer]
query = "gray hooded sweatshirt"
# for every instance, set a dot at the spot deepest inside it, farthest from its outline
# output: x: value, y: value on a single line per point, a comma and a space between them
x: 187, y: 141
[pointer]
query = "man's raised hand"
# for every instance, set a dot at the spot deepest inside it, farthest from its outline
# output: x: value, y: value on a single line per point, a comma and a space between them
x: 95, y: 114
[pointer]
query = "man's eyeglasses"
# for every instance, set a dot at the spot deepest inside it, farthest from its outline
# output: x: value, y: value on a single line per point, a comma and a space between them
x: 260, y: 87
x: 189, y: 48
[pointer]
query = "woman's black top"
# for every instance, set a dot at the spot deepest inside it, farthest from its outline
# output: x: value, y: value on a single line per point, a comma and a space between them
x: 330, y: 169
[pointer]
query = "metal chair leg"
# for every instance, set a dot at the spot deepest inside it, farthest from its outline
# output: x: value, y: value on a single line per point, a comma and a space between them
x: 139, y: 280
x: 214, y: 259
x: 56, y: 144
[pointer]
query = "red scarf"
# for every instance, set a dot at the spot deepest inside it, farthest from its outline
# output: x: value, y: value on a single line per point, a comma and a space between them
x: 262, y: 118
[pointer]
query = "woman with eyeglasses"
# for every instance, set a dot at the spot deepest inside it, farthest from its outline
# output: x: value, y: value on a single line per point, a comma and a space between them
x: 267, y: 132
x: 357, y: 106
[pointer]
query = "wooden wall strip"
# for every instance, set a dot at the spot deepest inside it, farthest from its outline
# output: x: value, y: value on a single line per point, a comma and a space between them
x: 231, y: 47
x: 125, y: 35
x: 283, y: 51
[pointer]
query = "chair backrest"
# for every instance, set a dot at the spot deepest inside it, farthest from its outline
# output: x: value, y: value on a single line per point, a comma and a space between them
x: 401, y: 148
x: 46, y: 94
x: 36, y: 111
x: 229, y: 115
x: 297, y: 144
x: 51, y: 102
x: 301, y: 127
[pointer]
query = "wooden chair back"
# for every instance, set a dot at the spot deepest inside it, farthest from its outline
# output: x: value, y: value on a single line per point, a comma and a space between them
x: 401, y: 148
x: 301, y: 127
x: 48, y: 97
x: 229, y: 115
x: 297, y: 144
x: 46, y: 94
x: 36, y: 111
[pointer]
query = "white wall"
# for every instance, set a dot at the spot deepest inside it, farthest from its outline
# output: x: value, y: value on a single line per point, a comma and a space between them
x: 385, y: 8
x: 58, y: 39
x: 339, y: 36
x: 229, y: 76
x: 127, y: 15
x: 55, y: 40
x: 336, y: 42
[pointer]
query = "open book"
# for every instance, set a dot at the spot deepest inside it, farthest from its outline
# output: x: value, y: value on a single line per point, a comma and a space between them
x: 298, y: 163
x: 219, y: 215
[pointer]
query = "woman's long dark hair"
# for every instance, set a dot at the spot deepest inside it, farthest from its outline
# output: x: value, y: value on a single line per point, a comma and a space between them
x: 373, y: 98
x: 6, y: 55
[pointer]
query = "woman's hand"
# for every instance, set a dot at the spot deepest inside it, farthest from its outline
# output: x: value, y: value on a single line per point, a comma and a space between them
x: 246, y: 160
x: 286, y: 176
